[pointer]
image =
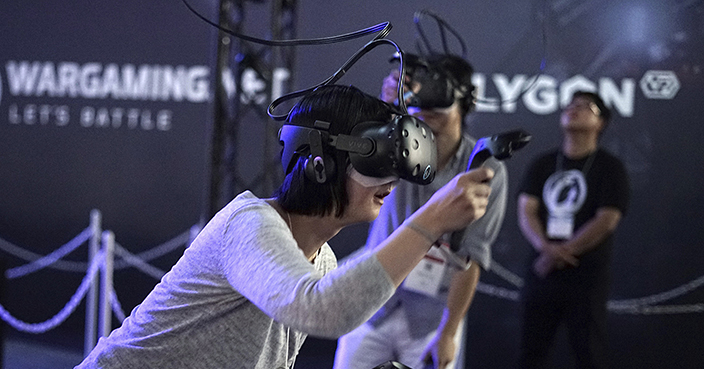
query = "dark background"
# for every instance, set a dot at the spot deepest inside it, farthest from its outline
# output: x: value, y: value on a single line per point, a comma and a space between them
x: 151, y: 185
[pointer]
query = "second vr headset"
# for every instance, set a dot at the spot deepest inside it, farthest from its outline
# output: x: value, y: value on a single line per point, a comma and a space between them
x: 438, y: 87
x: 403, y: 147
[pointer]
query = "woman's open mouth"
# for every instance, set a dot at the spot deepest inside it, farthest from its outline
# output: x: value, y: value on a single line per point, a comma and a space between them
x: 382, y: 194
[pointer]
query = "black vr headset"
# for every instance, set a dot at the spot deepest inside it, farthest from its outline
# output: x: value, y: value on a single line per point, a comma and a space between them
x: 438, y: 88
x: 403, y: 147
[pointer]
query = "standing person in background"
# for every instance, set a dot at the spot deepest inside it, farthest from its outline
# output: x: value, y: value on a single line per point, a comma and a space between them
x: 570, y: 203
x: 424, y: 321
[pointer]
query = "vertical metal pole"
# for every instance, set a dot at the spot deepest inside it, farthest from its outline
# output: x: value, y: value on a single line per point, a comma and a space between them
x: 92, y: 297
x: 283, y: 27
x: 217, y: 144
x: 222, y: 150
x: 236, y: 57
x: 106, y: 284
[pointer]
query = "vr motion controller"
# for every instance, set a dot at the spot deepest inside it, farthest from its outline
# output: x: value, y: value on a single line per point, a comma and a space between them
x: 500, y: 146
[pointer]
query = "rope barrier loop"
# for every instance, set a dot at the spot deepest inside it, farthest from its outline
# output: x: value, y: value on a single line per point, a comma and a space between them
x: 97, y: 241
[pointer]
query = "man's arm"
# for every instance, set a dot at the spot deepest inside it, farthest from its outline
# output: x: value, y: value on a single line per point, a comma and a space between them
x: 529, y: 221
x: 464, y: 283
x: 462, y: 288
x: 593, y: 232
x: 551, y: 254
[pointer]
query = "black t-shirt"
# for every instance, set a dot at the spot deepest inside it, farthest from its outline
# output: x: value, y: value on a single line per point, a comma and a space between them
x: 577, y: 192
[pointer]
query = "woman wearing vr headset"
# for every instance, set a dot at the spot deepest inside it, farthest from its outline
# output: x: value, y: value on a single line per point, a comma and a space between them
x: 261, y: 276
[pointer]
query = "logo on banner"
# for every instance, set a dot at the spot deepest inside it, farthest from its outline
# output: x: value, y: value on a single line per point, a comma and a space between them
x: 660, y: 84
x: 545, y: 94
x: 254, y: 86
x: 136, y: 89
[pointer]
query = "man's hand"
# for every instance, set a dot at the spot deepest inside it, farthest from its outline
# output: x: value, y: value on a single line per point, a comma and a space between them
x: 389, y: 89
x: 440, y: 351
x: 553, y: 256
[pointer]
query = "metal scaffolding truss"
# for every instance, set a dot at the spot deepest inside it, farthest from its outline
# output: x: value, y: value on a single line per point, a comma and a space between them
x: 244, y: 149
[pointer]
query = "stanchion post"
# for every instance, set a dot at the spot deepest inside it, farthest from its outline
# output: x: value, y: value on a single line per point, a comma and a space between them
x: 106, y: 284
x: 193, y: 233
x: 92, y: 297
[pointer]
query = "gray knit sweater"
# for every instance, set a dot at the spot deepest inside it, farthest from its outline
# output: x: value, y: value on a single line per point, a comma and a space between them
x: 243, y: 295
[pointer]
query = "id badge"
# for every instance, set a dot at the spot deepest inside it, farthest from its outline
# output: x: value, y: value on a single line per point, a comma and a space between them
x: 560, y: 227
x: 426, y: 278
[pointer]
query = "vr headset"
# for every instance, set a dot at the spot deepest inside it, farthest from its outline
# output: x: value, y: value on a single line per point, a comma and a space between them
x: 438, y: 89
x: 403, y: 147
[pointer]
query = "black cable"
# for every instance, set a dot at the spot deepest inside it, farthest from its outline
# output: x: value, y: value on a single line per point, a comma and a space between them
x: 382, y: 28
x: 443, y: 26
x: 543, y: 62
x: 341, y: 72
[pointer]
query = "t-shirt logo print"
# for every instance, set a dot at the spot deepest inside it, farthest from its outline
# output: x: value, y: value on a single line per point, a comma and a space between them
x: 564, y: 193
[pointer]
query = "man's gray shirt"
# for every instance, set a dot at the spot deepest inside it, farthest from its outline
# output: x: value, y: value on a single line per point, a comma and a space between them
x: 422, y: 311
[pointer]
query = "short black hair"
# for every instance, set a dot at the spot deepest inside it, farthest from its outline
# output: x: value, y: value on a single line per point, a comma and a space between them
x: 460, y: 71
x: 596, y: 99
x: 343, y: 107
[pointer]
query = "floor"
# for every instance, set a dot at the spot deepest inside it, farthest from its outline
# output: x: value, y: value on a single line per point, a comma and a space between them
x: 23, y: 353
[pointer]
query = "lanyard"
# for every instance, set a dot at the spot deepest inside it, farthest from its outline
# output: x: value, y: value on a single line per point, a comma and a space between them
x: 585, y: 168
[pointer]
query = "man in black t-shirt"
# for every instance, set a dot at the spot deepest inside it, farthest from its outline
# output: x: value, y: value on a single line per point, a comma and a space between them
x: 570, y: 203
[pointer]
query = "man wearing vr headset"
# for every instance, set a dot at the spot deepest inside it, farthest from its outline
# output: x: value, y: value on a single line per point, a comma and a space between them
x: 261, y: 276
x: 423, y: 321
